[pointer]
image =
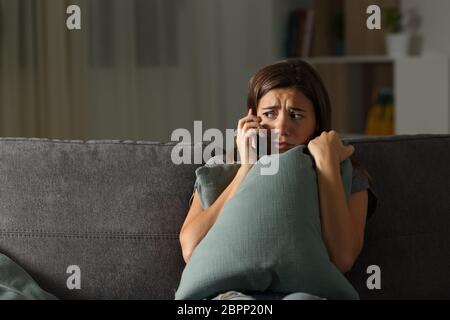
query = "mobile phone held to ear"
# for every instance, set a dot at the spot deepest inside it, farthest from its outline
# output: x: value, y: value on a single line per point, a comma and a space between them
x: 255, y: 138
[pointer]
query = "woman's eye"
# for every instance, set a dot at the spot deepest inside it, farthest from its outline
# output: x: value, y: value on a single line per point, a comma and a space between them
x: 296, y: 116
x: 269, y: 114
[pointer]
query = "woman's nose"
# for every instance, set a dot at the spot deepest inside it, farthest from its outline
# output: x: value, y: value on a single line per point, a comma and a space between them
x: 283, y: 125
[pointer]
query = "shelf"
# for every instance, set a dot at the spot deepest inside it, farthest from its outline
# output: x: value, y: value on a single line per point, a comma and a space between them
x: 368, y: 59
x: 348, y: 59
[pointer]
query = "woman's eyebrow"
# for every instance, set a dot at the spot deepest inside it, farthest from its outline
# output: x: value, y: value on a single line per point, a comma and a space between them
x: 297, y: 109
x: 277, y: 107
x: 271, y: 107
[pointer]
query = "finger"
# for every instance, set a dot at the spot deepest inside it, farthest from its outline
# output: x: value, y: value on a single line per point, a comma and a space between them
x: 251, y: 124
x: 248, y: 126
x: 251, y: 132
x: 247, y: 155
x: 254, y: 142
x: 246, y: 119
x: 243, y: 151
x: 262, y: 132
x: 249, y: 150
x: 251, y: 118
x: 352, y: 149
x: 348, y: 151
x: 241, y: 123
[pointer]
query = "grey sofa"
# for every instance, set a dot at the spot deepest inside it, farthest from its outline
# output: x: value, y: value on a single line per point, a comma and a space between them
x: 114, y: 209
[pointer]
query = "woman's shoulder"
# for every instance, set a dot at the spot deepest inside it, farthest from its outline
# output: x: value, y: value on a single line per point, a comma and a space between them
x: 359, y: 180
x: 214, y: 176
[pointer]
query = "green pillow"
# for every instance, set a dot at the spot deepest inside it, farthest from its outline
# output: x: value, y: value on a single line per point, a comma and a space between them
x: 212, y: 180
x: 268, y: 237
x: 17, y: 284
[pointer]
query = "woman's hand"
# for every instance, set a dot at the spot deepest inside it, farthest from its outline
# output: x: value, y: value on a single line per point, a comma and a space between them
x: 246, y: 131
x: 327, y: 149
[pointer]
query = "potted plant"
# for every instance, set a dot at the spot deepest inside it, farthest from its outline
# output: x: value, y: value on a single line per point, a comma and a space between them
x: 397, y: 40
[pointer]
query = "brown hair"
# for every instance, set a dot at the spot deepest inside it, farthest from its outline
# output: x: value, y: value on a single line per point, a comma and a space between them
x: 299, y: 75
x: 295, y: 74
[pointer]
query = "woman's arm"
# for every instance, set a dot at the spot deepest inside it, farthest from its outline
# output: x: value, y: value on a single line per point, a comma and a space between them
x: 342, y: 223
x: 199, y: 221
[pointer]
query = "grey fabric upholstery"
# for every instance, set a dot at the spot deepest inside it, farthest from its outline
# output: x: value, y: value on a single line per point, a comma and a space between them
x: 408, y: 236
x: 114, y: 208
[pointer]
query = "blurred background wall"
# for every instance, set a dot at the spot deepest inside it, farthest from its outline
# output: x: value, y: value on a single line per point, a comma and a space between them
x: 138, y: 69
x: 435, y: 25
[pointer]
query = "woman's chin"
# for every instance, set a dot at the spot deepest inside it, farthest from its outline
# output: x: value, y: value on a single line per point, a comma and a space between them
x: 283, y: 150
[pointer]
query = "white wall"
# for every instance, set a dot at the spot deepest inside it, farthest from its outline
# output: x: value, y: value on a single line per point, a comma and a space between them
x: 435, y: 34
x: 435, y: 26
x: 416, y: 112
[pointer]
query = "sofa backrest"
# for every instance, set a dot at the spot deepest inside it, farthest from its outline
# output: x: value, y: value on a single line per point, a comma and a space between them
x: 113, y: 210
x: 408, y: 236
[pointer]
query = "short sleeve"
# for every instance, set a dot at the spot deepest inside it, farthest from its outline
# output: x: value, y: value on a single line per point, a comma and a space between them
x: 215, y: 161
x: 193, y: 192
x: 192, y: 197
x: 359, y: 183
x: 219, y: 159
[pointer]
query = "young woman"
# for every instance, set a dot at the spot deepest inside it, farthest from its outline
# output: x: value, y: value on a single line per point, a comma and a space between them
x: 290, y: 96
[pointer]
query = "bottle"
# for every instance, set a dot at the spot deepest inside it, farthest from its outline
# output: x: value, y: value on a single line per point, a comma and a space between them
x: 380, y: 116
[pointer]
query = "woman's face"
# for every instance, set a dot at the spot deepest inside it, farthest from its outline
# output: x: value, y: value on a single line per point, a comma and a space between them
x: 289, y: 111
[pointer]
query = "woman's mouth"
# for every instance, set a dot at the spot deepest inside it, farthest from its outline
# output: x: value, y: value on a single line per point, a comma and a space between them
x: 283, y: 146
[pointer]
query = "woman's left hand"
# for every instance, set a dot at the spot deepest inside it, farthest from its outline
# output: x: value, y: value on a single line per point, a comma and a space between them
x: 327, y: 149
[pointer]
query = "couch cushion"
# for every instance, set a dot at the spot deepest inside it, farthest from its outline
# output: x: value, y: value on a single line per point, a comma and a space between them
x: 114, y: 209
x: 55, y: 197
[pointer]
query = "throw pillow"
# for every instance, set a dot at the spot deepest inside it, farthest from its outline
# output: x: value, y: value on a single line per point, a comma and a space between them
x: 268, y: 236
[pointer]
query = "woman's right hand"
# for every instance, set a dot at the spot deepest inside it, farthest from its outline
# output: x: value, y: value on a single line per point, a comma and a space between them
x: 246, y: 131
